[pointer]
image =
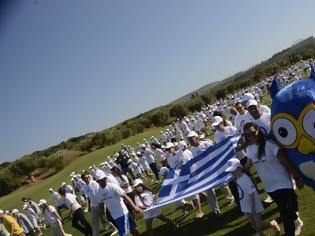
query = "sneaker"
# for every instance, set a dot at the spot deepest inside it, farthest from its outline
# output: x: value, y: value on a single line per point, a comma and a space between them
x: 276, y: 227
x: 268, y: 199
x: 298, y: 223
x: 199, y: 215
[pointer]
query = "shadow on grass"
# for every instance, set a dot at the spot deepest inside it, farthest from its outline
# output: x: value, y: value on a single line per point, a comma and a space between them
x: 208, y: 225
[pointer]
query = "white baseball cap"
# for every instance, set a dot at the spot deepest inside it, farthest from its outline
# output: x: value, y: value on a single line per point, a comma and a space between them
x: 251, y: 102
x: 63, y: 183
x: 192, y: 134
x: 14, y: 211
x: 216, y: 120
x: 50, y: 190
x: 136, y: 182
x: 99, y: 174
x: 164, y: 170
x: 233, y: 164
x: 1, y: 212
x: 182, y: 145
x: 25, y: 206
x: 41, y: 202
x: 169, y: 145
x: 247, y: 96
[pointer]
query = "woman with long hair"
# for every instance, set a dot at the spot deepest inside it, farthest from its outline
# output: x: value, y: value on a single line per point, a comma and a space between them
x: 275, y: 173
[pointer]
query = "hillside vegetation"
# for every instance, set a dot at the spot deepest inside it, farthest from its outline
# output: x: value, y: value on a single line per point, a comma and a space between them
x: 15, y: 174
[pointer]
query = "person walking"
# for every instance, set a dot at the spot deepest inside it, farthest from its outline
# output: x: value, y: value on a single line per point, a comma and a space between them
x: 76, y: 212
x: 52, y: 217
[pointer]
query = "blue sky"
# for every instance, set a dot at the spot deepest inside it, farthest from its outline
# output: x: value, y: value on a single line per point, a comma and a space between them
x: 69, y: 67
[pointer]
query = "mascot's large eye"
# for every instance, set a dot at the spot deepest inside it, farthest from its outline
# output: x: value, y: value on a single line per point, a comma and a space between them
x: 284, y: 131
x: 309, y: 123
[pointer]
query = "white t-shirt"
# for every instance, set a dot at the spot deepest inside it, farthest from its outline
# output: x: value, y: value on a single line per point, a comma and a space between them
x: 221, y: 135
x: 49, y: 216
x: 143, y: 162
x: 57, y: 198
x: 111, y: 179
x: 124, y: 181
x: 91, y: 190
x: 160, y: 154
x: 145, y: 200
x: 80, y: 184
x: 72, y: 202
x: 264, y: 109
x: 69, y: 188
x: 263, y: 122
x: 34, y: 218
x: 272, y: 173
x: 245, y: 188
x: 241, y: 120
x: 187, y: 155
x: 111, y: 196
x: 106, y: 169
x: 149, y: 156
x: 203, y: 146
x: 175, y: 162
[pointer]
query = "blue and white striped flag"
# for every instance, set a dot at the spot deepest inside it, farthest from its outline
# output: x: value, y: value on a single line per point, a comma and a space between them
x: 199, y: 174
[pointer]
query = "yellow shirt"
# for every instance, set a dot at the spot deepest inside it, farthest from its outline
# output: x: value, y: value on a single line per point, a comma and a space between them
x: 12, y: 225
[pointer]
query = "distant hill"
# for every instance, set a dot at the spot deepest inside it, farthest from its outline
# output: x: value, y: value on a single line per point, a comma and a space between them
x: 296, y: 46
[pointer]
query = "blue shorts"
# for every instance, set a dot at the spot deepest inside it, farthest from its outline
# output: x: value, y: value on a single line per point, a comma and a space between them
x: 125, y: 224
x: 63, y: 206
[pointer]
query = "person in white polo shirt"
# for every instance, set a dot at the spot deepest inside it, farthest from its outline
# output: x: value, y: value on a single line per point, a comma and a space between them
x: 250, y: 201
x: 114, y: 198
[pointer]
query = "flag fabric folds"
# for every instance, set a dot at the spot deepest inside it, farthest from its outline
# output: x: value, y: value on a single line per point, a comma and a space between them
x: 199, y: 174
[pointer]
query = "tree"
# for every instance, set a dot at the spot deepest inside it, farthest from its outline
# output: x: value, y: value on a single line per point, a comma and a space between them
x: 160, y: 118
x: 179, y: 111
x: 195, y: 104
x: 221, y: 93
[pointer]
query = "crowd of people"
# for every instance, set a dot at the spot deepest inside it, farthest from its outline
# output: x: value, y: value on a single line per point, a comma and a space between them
x: 116, y: 190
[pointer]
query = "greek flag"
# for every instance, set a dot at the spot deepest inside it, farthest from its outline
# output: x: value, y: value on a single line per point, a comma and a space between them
x: 199, y: 174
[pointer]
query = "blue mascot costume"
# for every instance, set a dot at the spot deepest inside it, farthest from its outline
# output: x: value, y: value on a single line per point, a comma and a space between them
x: 293, y: 123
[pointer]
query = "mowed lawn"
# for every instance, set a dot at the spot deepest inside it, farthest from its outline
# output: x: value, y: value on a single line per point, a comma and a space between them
x: 231, y: 222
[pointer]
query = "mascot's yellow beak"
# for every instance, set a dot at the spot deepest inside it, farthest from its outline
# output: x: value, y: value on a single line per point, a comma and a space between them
x: 306, y: 146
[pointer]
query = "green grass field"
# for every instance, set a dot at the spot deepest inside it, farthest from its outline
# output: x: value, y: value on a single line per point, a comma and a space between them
x: 231, y: 222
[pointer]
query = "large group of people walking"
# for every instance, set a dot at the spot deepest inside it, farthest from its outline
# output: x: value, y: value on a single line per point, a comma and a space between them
x: 116, y: 190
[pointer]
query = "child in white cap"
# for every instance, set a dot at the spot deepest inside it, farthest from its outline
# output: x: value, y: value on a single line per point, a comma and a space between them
x: 250, y: 201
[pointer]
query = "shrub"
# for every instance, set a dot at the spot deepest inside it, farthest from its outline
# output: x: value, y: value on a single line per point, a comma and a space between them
x: 160, y: 118
x: 179, y: 111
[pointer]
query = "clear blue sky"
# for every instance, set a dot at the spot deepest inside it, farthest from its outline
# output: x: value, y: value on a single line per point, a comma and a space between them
x: 68, y: 67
